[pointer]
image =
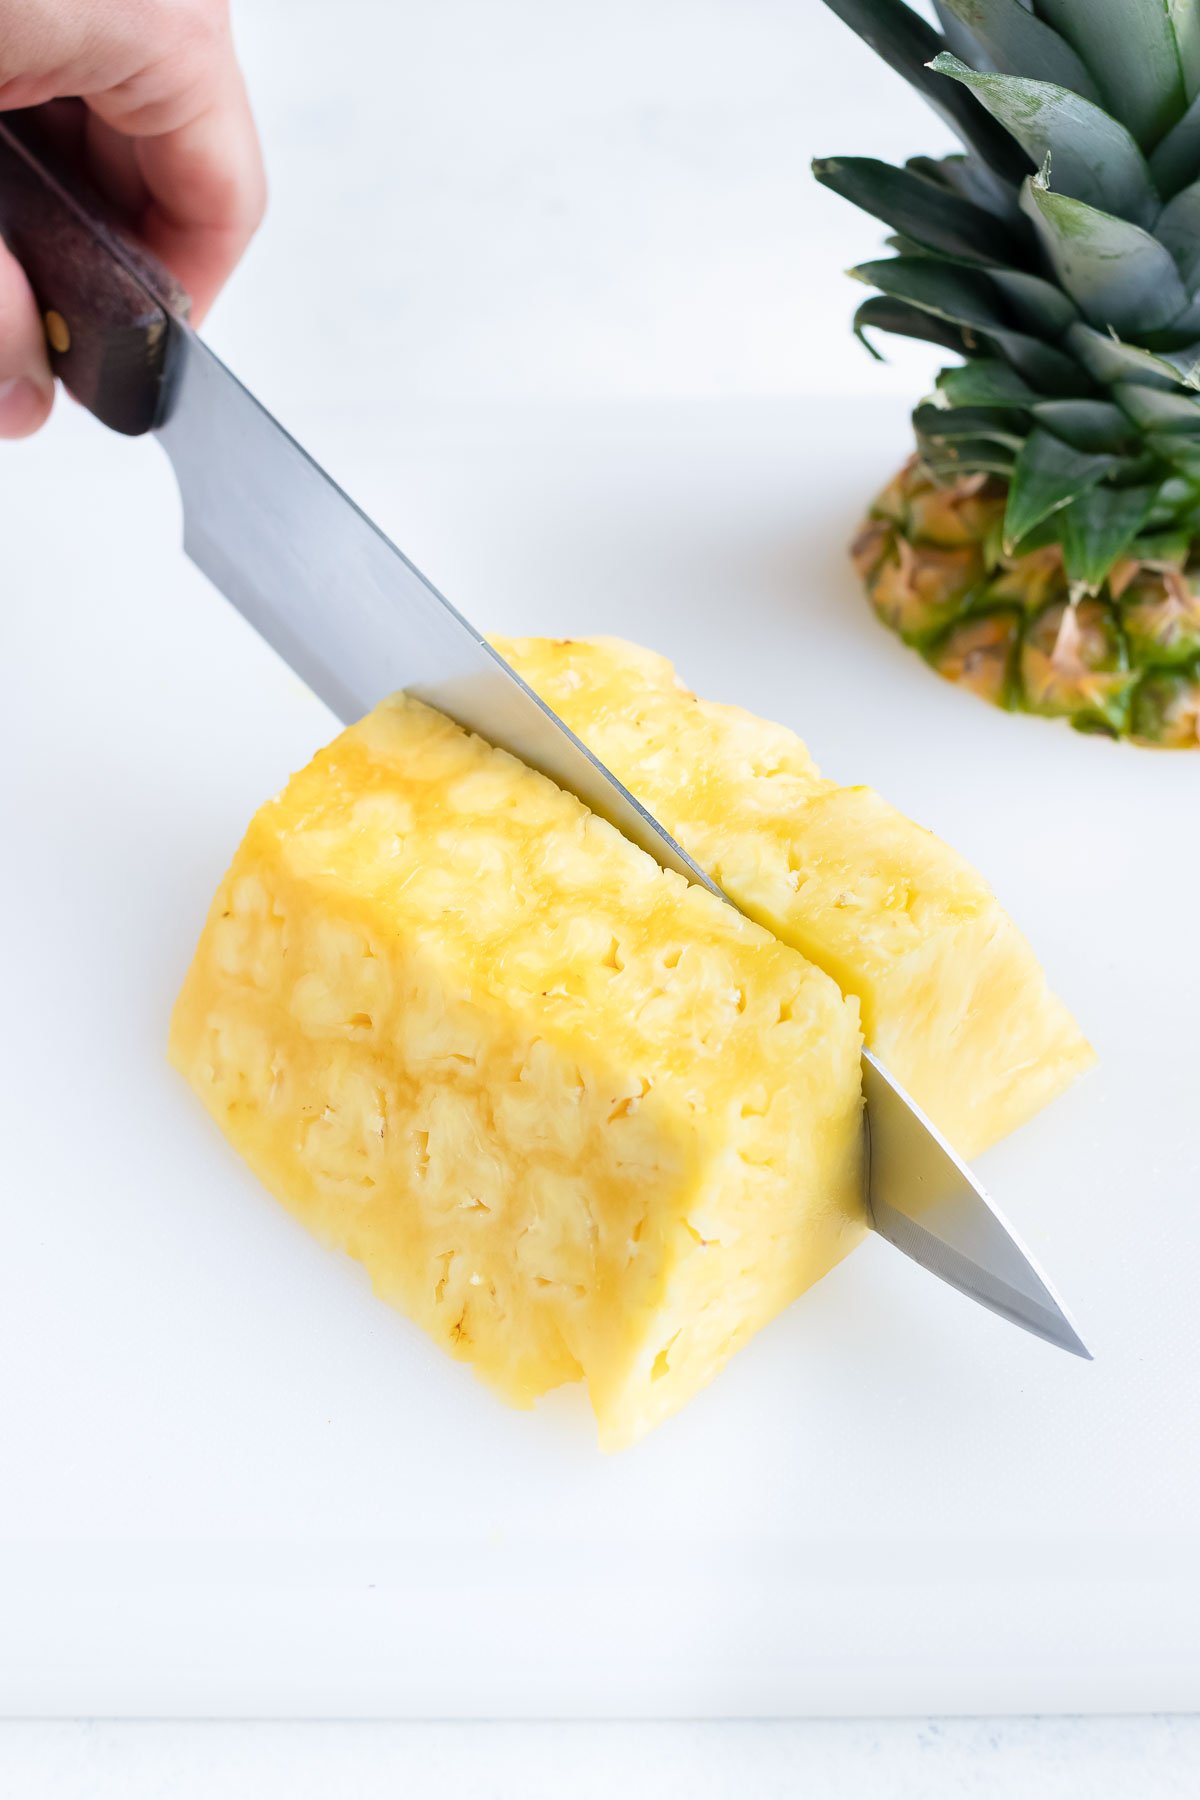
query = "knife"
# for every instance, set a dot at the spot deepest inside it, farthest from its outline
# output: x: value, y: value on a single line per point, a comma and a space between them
x: 357, y: 621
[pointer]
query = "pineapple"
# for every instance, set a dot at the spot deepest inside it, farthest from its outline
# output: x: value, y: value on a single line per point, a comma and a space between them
x: 1043, y: 549
x: 576, y: 1117
x: 953, y: 1000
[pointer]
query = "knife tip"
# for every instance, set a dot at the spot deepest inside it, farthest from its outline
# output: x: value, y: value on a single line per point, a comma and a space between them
x: 1067, y: 1338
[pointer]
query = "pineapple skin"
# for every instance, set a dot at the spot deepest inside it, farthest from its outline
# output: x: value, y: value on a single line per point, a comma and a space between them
x: 575, y: 1117
x: 1122, y: 662
x: 953, y: 999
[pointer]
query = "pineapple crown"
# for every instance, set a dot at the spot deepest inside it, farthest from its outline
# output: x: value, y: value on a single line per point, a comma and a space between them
x: 1058, y: 254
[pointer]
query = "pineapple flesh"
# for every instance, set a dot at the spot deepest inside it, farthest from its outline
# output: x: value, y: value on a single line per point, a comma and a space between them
x: 576, y: 1118
x: 1045, y: 551
x: 953, y: 999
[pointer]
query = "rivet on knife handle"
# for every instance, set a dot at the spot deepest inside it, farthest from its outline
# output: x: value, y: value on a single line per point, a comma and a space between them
x: 105, y: 303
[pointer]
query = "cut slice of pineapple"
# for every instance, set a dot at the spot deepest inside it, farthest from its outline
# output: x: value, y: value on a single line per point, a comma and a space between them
x: 574, y: 1116
x: 953, y: 999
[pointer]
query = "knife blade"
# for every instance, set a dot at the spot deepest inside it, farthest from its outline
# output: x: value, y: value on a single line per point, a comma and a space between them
x: 357, y: 621
x: 340, y: 603
x: 925, y: 1201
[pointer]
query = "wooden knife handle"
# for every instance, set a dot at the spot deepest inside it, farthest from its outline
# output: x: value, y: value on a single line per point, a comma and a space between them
x: 107, y: 304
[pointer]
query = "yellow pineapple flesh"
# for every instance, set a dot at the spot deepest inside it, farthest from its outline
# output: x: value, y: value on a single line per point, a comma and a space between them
x: 953, y: 999
x: 576, y: 1117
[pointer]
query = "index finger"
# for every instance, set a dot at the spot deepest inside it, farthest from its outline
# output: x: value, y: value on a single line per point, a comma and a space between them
x: 207, y: 190
x: 196, y: 156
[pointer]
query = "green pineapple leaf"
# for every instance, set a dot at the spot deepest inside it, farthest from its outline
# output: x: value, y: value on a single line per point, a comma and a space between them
x: 1037, y: 303
x: 1093, y: 157
x: 1098, y: 527
x: 905, y: 41
x: 1034, y: 304
x: 1014, y: 42
x: 943, y: 424
x: 1162, y: 546
x: 1178, y: 450
x: 1152, y: 409
x: 1132, y: 50
x: 882, y: 313
x: 1110, y: 360
x: 1185, y: 23
x: 1179, y: 334
x: 1178, y: 227
x: 1120, y: 277
x: 985, y: 383
x: 959, y: 40
x: 918, y: 208
x: 965, y: 456
x: 1178, y: 506
x: 1047, y: 476
x: 965, y: 297
x: 904, y: 246
x: 963, y: 175
x: 1092, y: 425
x: 1175, y: 162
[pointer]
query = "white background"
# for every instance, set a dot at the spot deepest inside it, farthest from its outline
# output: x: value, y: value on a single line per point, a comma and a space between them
x: 951, y: 1759
x: 540, y: 201
x: 552, y: 287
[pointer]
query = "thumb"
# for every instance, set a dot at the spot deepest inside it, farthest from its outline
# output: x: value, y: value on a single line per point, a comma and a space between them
x: 26, y: 384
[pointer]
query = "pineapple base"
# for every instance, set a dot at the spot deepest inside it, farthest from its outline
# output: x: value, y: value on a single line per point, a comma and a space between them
x: 576, y: 1118
x: 1123, y: 662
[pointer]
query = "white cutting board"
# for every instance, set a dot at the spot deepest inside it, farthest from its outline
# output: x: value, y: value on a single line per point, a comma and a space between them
x: 232, y: 1482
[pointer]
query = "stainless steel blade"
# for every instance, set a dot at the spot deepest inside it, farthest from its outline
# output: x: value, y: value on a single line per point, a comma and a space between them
x: 340, y: 603
x: 357, y: 621
x: 926, y: 1202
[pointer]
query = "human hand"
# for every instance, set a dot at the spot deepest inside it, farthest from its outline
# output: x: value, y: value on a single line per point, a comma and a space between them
x: 148, y: 97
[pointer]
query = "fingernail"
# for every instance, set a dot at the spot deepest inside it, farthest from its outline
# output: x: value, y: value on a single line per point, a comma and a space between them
x: 22, y: 406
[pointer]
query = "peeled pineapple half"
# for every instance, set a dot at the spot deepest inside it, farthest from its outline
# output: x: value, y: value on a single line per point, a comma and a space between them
x: 576, y: 1117
x: 954, y: 1002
